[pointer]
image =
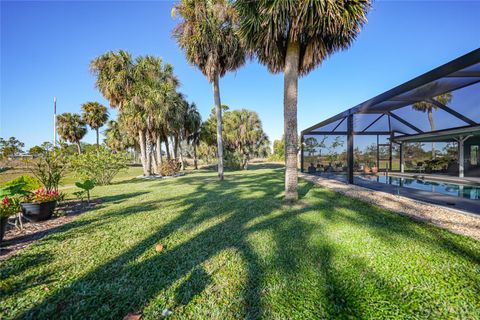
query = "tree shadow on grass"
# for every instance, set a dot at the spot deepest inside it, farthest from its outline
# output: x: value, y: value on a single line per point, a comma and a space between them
x: 391, y: 226
x: 238, y: 208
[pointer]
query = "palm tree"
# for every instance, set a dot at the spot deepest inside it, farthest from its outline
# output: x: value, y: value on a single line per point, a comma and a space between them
x: 137, y: 89
x: 244, y: 133
x: 428, y: 107
x: 72, y: 128
x: 95, y: 115
x: 115, y: 137
x: 113, y: 72
x: 295, y: 37
x: 208, y: 37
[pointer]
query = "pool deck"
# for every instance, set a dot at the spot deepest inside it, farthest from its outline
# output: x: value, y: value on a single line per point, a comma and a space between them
x: 468, y: 206
x: 461, y: 217
x: 452, y: 202
x: 472, y: 181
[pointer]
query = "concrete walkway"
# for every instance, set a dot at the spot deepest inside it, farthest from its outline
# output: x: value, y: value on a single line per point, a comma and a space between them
x: 453, y: 220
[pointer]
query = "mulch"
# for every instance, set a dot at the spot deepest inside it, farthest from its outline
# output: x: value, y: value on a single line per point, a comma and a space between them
x: 16, y: 239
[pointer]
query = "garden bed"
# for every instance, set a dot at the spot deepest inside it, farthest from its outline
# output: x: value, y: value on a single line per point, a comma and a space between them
x: 16, y: 239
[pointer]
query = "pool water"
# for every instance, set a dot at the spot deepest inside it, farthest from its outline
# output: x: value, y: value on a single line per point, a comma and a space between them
x: 468, y: 192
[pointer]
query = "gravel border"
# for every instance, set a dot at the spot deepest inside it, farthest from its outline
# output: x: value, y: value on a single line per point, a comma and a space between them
x: 452, y: 220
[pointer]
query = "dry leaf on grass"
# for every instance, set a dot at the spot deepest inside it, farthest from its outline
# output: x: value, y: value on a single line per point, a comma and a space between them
x: 132, y: 316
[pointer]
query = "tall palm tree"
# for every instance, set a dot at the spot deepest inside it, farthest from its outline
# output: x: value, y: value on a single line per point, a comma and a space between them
x: 113, y: 72
x: 95, y: 115
x: 428, y: 107
x: 208, y: 37
x: 294, y: 37
x: 71, y: 127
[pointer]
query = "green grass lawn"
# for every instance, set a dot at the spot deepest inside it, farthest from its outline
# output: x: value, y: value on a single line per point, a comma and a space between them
x: 233, y: 250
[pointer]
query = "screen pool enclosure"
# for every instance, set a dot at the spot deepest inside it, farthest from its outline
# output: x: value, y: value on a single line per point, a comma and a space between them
x: 440, y: 108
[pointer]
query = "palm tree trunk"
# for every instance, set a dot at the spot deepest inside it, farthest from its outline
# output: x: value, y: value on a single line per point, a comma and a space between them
x: 143, y: 157
x: 245, y: 161
x: 167, y: 147
x: 218, y: 111
x: 97, y: 137
x: 159, y: 150
x: 432, y: 126
x: 195, y: 164
x: 79, y: 148
x: 154, y: 162
x: 182, y: 164
x: 148, y: 155
x: 175, y: 146
x: 290, y: 92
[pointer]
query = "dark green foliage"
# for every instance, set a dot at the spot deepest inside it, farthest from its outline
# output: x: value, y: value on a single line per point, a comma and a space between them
x: 233, y: 160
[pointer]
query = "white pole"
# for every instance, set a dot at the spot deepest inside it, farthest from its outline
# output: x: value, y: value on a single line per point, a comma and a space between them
x: 461, y: 157
x: 402, y: 159
x: 54, y: 121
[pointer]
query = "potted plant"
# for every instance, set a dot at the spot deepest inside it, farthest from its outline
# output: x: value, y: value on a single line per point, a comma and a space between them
x: 374, y: 169
x: 39, y: 205
x: 366, y: 169
x: 8, y: 207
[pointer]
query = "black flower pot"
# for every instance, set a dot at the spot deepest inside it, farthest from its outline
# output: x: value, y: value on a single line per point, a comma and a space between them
x: 3, y: 227
x: 38, y: 211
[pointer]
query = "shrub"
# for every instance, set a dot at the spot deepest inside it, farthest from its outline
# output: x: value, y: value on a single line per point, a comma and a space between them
x: 30, y: 183
x: 50, y: 168
x: 86, y: 186
x: 233, y: 160
x: 169, y: 168
x: 99, y: 164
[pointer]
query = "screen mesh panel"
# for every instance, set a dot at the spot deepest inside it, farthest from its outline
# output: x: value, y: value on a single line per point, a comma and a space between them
x: 447, y: 97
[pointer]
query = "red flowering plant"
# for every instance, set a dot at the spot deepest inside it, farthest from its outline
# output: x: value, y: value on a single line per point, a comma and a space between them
x: 8, y: 206
x: 41, y: 195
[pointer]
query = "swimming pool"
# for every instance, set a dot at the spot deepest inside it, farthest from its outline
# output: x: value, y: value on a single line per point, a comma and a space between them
x: 468, y: 192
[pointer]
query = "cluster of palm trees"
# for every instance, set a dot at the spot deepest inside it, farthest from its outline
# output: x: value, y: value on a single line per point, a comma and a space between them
x: 72, y: 127
x: 292, y: 37
x: 242, y: 135
x: 151, y: 110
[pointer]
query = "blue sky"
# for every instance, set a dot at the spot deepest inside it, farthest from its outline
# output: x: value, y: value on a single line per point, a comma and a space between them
x: 46, y: 48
